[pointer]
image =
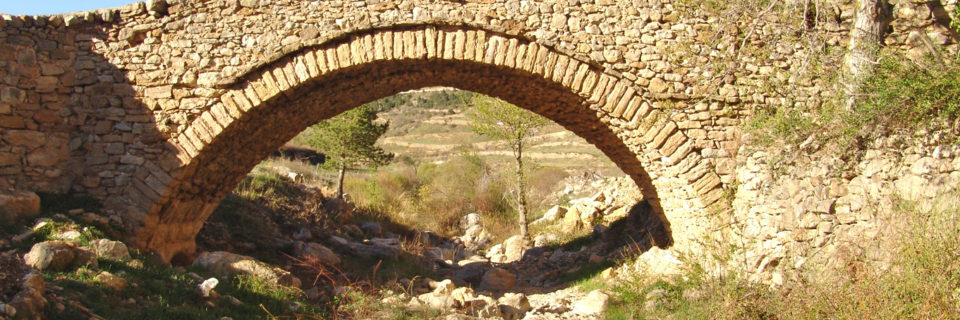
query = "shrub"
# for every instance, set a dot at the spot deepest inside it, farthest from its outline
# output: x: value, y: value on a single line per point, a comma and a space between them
x: 903, y: 93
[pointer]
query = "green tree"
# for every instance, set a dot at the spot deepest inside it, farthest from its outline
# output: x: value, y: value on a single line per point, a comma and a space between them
x: 503, y: 121
x: 348, y: 141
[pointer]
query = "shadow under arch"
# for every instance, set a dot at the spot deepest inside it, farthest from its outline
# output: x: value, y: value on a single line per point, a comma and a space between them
x: 271, y: 104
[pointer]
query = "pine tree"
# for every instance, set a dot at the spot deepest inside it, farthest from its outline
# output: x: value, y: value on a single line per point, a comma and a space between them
x: 348, y: 141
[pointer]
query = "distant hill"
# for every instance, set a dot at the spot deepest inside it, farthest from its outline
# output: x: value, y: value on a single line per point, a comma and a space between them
x: 430, y: 125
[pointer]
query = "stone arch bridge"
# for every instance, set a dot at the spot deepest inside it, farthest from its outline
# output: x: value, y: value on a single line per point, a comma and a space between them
x: 160, y: 109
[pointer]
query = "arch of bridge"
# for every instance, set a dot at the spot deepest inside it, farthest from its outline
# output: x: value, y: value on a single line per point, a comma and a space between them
x: 275, y: 101
x: 159, y: 110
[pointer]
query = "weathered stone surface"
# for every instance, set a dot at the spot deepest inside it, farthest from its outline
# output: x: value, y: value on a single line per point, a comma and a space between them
x: 600, y: 69
x: 552, y: 214
x: 110, y: 249
x: 51, y: 255
x: 229, y: 264
x: 514, y: 248
x: 18, y: 205
x: 111, y: 280
x: 594, y: 303
x: 514, y: 305
x: 316, y: 251
x: 498, y: 279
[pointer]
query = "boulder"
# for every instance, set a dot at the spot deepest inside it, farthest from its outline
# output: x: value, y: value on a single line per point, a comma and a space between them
x: 589, y: 215
x: 513, y: 248
x: 498, y: 279
x: 29, y: 304
x: 571, y: 220
x: 51, y: 255
x: 475, y: 237
x: 514, y: 305
x: 229, y: 264
x: 557, y: 212
x: 17, y: 205
x: 110, y: 249
x: 594, y: 303
x: 312, y: 250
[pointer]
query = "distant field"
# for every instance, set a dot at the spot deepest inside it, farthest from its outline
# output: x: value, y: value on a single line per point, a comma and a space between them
x: 431, y: 126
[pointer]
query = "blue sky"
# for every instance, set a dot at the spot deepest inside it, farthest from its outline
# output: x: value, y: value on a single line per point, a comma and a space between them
x: 19, y: 7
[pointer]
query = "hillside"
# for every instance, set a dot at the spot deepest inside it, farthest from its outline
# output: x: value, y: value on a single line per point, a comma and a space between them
x: 430, y: 125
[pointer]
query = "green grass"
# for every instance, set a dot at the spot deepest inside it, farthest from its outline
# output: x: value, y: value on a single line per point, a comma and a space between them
x: 161, y: 292
x: 586, y: 275
x: 266, y: 185
x: 154, y: 291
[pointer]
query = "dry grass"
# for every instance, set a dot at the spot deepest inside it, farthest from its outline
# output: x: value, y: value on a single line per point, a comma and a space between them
x: 922, y: 283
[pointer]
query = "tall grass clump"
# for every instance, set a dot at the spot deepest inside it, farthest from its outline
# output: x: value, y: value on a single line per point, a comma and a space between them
x: 435, y: 196
x: 265, y: 185
x: 432, y: 196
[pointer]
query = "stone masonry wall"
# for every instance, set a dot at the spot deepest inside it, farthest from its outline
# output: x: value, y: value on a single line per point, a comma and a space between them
x: 109, y: 102
x: 809, y: 210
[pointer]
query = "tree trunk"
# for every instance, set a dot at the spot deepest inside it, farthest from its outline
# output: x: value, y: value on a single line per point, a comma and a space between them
x: 521, y: 192
x: 866, y: 37
x: 343, y: 168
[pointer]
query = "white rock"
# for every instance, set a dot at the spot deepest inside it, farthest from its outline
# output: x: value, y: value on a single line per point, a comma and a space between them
x: 594, y: 303
x: 207, y: 285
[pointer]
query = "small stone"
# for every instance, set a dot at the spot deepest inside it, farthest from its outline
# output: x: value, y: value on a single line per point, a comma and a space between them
x: 232, y: 300
x: 302, y: 234
x: 68, y: 235
x: 371, y: 228
x: 514, y: 305
x: 110, y: 280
